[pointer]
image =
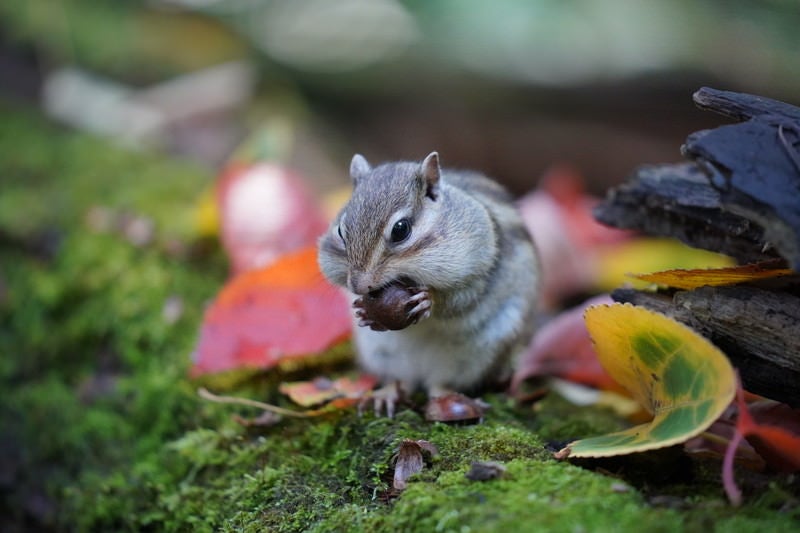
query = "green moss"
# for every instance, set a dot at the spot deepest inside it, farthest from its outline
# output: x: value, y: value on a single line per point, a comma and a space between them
x: 102, y: 430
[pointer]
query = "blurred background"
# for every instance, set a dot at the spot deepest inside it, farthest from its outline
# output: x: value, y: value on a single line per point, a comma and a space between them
x: 509, y: 87
x: 128, y: 133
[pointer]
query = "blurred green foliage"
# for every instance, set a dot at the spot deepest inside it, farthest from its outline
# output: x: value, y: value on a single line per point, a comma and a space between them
x: 124, y: 39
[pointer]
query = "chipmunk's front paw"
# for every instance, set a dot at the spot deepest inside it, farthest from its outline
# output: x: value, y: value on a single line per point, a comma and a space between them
x: 418, y: 305
x: 384, y: 399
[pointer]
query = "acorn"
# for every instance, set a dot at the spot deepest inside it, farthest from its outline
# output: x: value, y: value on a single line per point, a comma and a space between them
x: 388, y: 307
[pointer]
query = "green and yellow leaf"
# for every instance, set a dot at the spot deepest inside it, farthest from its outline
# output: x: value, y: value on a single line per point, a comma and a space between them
x: 676, y: 374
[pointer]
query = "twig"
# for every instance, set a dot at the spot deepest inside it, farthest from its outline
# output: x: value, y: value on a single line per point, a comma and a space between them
x: 206, y: 395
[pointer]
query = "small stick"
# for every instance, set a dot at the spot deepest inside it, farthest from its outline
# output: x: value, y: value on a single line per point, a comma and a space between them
x: 206, y: 395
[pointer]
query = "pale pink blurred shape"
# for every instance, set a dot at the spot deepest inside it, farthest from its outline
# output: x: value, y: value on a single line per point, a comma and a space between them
x: 558, y: 215
x: 265, y: 212
x: 563, y: 348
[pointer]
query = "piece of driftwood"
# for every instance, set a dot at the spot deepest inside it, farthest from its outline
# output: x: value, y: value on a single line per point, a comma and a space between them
x: 678, y: 201
x: 739, y: 195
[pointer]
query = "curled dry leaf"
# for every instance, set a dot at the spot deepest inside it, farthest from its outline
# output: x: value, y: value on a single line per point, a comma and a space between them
x: 410, y: 460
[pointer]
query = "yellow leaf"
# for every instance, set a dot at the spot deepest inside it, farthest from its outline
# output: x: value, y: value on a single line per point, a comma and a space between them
x: 615, y: 263
x: 677, y: 375
x: 692, y: 279
x: 206, y: 216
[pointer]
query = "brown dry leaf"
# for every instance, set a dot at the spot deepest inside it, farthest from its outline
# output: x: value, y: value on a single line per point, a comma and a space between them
x: 410, y: 460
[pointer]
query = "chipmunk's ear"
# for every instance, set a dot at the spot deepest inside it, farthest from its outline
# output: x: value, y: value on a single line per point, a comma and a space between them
x: 359, y: 167
x: 431, y: 174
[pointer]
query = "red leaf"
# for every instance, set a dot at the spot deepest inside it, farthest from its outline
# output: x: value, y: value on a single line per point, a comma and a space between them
x: 775, y: 438
x: 267, y: 316
x: 563, y: 348
x: 774, y: 441
x: 265, y: 212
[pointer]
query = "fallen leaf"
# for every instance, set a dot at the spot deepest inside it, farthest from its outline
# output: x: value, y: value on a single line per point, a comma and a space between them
x: 673, y: 372
x: 776, y: 439
x: 775, y: 435
x: 562, y: 348
x: 262, y: 318
x: 615, y: 263
x: 321, y: 390
x: 694, y: 278
x: 265, y: 211
x: 409, y: 460
x: 714, y: 441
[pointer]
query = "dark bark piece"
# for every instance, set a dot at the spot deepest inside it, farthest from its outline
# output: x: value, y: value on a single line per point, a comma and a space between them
x: 745, y: 181
x: 742, y: 106
x: 756, y: 328
x: 678, y: 201
x: 756, y: 176
x: 755, y: 164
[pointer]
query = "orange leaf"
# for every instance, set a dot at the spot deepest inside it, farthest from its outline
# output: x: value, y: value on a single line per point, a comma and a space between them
x: 265, y: 317
x: 691, y: 279
x: 321, y: 390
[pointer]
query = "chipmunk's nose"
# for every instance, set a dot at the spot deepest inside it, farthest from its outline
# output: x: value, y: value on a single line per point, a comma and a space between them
x: 361, y: 282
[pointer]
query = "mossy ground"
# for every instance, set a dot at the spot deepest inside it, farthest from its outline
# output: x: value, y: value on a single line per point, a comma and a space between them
x: 101, y: 430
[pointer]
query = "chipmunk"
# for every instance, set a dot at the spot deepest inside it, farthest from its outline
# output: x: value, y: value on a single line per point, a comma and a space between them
x: 444, y: 273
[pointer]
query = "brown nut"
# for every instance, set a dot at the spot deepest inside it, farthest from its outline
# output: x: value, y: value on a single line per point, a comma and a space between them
x: 390, y: 306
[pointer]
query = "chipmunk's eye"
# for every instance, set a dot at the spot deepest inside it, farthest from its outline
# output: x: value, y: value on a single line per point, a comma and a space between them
x: 401, y: 230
